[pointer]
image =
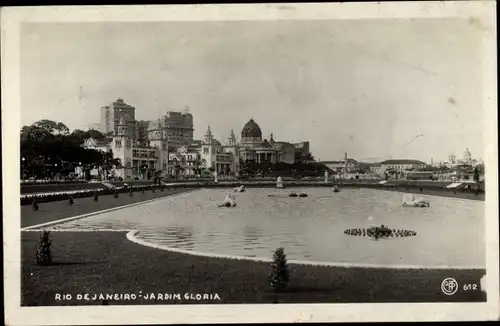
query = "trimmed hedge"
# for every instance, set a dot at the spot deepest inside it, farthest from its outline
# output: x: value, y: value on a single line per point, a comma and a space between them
x: 50, y: 182
x: 28, y: 200
x: 370, y: 184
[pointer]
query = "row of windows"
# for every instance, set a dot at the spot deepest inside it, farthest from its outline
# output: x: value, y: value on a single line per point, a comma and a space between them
x: 400, y: 167
x: 188, y: 163
x: 224, y: 158
x: 118, y: 143
x: 143, y: 153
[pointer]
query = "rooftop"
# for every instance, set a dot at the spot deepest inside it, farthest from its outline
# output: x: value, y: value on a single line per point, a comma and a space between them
x: 402, y: 161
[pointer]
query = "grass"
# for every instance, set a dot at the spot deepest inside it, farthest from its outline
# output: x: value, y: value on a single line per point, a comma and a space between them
x: 61, y: 209
x: 106, y: 262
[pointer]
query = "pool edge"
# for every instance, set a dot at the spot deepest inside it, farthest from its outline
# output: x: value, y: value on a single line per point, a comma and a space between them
x: 131, y: 236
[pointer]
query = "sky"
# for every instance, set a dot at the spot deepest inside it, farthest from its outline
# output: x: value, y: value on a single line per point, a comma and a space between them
x: 367, y: 87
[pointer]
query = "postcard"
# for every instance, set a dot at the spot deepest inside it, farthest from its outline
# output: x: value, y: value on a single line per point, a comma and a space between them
x: 250, y: 163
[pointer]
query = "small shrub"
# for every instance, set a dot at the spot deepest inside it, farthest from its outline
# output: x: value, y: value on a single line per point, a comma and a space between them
x: 70, y: 201
x: 279, y: 277
x: 34, y: 205
x: 43, y: 255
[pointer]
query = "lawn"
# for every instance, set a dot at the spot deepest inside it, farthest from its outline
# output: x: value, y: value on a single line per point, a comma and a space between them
x: 106, y: 262
x: 61, y: 209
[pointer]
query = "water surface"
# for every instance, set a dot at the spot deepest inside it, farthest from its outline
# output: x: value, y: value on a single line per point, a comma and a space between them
x: 449, y: 233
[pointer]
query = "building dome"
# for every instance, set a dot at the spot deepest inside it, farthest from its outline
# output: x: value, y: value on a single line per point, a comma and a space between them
x: 251, y: 130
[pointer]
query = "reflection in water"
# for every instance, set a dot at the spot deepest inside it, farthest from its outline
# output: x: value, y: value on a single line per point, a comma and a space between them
x: 251, y: 235
x: 450, y: 232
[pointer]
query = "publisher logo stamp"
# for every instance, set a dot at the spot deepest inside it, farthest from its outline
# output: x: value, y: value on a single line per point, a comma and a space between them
x: 449, y: 286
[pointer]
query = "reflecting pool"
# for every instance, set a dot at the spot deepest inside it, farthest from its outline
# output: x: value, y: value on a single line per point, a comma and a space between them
x: 449, y: 233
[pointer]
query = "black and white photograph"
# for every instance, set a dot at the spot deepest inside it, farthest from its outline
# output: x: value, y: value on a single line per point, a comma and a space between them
x: 198, y: 160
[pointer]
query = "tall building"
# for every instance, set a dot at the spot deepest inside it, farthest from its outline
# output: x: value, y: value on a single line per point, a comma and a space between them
x: 111, y: 115
x: 179, y: 129
x: 187, y: 157
x: 452, y: 158
x: 467, y: 156
x: 141, y: 132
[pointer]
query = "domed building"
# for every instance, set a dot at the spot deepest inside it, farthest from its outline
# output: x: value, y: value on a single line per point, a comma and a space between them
x: 252, y: 148
x: 251, y: 134
x: 168, y: 148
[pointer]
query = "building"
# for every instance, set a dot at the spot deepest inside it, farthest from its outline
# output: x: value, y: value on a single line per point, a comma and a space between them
x: 452, y: 159
x: 252, y: 148
x: 141, y: 132
x: 377, y: 169
x: 160, y: 158
x: 221, y: 158
x: 286, y: 151
x: 179, y: 129
x: 185, y: 161
x: 301, y: 151
x: 97, y: 144
x: 111, y: 115
x: 341, y: 166
x: 402, y: 165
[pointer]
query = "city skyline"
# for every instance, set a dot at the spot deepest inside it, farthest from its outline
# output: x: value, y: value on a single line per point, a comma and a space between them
x: 344, y: 92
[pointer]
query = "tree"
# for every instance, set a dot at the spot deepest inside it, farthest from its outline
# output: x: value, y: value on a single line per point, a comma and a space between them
x: 92, y: 133
x: 79, y: 135
x: 279, y: 277
x: 43, y: 255
x: 54, y: 128
x: 309, y: 158
x: 476, y: 174
x: 47, y: 147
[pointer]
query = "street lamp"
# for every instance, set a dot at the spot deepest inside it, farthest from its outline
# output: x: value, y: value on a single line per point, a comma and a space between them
x: 22, y: 166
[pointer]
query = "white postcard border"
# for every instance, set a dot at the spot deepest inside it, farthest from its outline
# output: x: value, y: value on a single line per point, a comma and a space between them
x: 480, y: 13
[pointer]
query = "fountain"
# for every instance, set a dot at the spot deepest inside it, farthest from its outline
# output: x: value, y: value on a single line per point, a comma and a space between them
x: 228, y: 202
x: 279, y: 183
x: 215, y: 177
x: 326, y: 176
x: 413, y: 201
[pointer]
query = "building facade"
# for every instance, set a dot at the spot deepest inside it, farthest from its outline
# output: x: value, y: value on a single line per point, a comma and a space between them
x: 402, y: 165
x: 341, y: 166
x: 111, y: 115
x: 188, y: 157
x: 179, y: 129
x: 141, y: 132
x: 301, y: 151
